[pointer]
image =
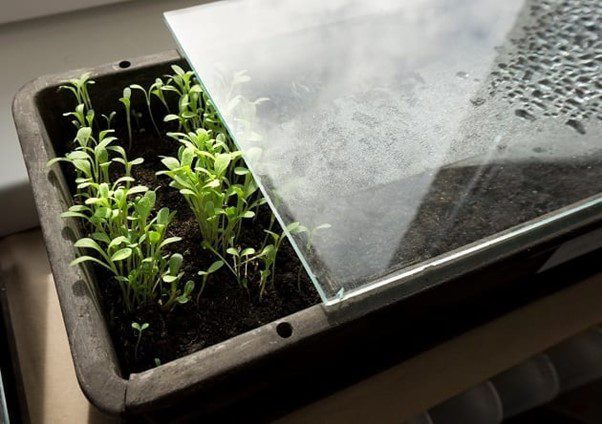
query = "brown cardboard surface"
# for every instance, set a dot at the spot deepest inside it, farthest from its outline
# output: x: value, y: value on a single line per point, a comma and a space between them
x: 53, y: 395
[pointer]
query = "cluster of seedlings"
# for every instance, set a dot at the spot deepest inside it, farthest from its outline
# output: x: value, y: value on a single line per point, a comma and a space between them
x: 128, y: 235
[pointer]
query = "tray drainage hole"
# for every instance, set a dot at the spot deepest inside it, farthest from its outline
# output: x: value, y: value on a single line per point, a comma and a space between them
x: 284, y: 330
x: 124, y: 64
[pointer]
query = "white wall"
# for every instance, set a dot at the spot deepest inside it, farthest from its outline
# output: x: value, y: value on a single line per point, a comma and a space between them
x: 16, y: 10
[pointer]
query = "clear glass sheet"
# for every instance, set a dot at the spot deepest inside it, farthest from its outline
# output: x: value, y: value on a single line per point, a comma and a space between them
x: 399, y: 131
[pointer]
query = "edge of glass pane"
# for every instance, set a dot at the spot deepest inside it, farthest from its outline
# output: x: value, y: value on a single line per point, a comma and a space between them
x: 298, y: 252
x: 404, y: 275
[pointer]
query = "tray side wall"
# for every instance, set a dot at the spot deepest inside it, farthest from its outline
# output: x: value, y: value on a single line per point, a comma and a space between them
x: 95, y: 361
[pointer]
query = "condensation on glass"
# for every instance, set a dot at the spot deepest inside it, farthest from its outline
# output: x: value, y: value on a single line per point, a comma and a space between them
x: 404, y: 133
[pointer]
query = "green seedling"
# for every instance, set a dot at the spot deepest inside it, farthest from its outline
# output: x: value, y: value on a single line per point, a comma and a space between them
x: 125, y: 99
x: 205, y: 275
x: 147, y: 98
x: 267, y: 256
x: 191, y: 103
x: 239, y: 262
x: 130, y: 243
x: 91, y: 156
x: 312, y: 232
x: 139, y: 328
x: 156, y: 89
x: 109, y: 118
x: 81, y: 117
x: 79, y: 88
x: 195, y: 108
x: 209, y: 173
x: 220, y: 193
x: 126, y: 234
x: 172, y: 277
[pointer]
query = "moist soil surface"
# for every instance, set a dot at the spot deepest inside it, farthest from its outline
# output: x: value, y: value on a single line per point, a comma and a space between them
x: 224, y: 309
x: 473, y: 203
x: 460, y: 205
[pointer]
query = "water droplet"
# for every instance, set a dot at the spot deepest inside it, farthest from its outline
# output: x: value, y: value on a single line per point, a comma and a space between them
x: 557, y: 62
x: 537, y: 93
x: 477, y: 101
x: 521, y: 113
x: 576, y: 125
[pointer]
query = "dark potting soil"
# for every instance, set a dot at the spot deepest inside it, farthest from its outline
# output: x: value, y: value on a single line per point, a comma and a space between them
x: 436, y: 212
x: 224, y: 310
x: 475, y: 202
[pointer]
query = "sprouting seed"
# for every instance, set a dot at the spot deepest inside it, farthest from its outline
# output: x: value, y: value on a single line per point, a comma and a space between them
x: 127, y: 94
x: 139, y: 328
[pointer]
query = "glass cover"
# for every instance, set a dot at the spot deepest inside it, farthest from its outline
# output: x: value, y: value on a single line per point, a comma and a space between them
x: 399, y: 131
